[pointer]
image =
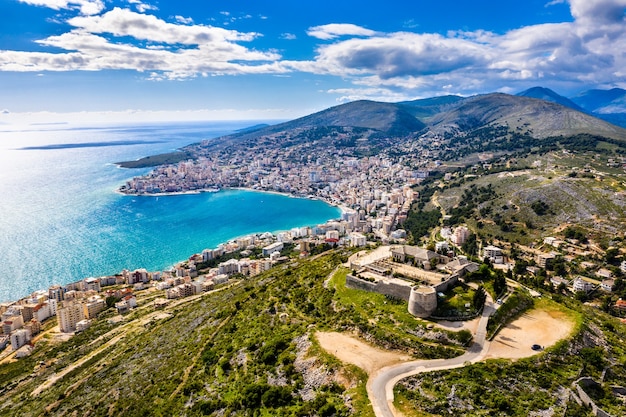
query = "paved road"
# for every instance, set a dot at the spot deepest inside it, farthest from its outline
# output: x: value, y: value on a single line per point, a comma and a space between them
x: 380, y: 387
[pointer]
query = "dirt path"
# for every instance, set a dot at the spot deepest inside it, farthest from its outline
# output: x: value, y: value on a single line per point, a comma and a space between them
x: 514, y: 341
x: 349, y: 349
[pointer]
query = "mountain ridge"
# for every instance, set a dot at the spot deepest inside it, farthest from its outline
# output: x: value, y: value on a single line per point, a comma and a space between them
x: 547, y: 94
x: 367, y: 126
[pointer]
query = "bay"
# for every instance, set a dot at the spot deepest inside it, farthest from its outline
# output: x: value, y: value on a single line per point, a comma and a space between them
x: 61, y: 219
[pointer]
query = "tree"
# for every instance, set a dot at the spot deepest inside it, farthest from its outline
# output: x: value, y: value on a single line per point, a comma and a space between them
x: 470, y: 246
x: 277, y: 396
x: 574, y: 233
x: 252, y: 395
x: 611, y: 255
x: 478, y: 300
x: 499, y: 283
x: 540, y: 207
x: 111, y: 300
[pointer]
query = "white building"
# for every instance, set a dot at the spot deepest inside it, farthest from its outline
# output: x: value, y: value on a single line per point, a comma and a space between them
x: 45, y: 310
x: 608, y: 285
x: 332, y: 234
x: 126, y: 303
x: 83, y: 325
x: 229, y: 267
x: 91, y: 284
x: 460, y: 235
x: 274, y: 247
x: 357, y: 239
x: 207, y: 255
x: 70, y: 315
x: 398, y: 234
x: 442, y: 246
x: 583, y: 284
x: 494, y: 254
x: 19, y: 338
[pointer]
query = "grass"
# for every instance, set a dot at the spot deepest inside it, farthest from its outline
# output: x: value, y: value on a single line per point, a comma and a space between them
x: 505, y: 387
x: 387, y: 321
x: 581, y: 199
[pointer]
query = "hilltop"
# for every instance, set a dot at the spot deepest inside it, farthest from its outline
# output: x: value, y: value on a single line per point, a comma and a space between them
x: 369, y: 127
x: 546, y: 94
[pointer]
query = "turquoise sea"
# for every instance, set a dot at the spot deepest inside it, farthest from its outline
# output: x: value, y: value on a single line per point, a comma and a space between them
x: 61, y: 219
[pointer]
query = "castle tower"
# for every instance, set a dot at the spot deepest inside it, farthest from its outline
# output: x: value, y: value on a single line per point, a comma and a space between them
x: 422, y: 301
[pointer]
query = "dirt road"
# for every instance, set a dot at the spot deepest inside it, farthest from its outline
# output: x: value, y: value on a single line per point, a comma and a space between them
x: 514, y: 341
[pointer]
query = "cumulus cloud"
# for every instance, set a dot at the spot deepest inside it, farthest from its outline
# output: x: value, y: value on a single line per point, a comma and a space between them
x: 177, y: 51
x: 184, y: 20
x: 123, y: 22
x: 142, y: 7
x: 335, y: 30
x: 86, y: 7
x: 598, y: 11
x: 403, y: 54
x: 587, y: 50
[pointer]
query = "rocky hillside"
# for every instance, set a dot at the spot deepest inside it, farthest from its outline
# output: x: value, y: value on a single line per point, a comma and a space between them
x: 368, y: 127
x: 538, y: 118
x: 546, y: 94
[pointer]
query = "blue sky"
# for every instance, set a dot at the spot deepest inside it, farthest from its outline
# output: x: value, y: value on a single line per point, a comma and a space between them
x: 245, y: 59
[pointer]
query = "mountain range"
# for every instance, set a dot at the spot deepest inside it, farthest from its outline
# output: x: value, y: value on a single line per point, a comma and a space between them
x: 474, y: 123
x: 539, y: 112
x: 609, y: 105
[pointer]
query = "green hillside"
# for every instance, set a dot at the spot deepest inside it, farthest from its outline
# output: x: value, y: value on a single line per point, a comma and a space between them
x: 246, y: 349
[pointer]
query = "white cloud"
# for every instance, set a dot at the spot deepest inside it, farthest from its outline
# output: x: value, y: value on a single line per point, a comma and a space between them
x: 587, y: 51
x: 335, y: 30
x: 123, y: 22
x: 599, y: 11
x: 86, y: 7
x: 183, y: 20
x: 379, y: 94
x: 176, y: 51
x: 142, y: 7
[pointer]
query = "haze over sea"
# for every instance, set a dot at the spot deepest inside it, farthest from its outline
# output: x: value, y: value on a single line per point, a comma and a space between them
x: 61, y: 219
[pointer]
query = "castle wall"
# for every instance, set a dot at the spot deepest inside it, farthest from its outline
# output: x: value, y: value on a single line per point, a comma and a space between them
x: 422, y: 300
x: 392, y: 289
x: 448, y: 283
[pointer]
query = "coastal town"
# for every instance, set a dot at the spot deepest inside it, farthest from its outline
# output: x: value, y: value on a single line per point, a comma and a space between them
x: 379, y: 196
x: 376, y: 195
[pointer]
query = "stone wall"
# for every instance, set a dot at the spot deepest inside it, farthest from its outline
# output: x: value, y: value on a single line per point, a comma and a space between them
x: 422, y: 300
x: 581, y: 384
x: 382, y: 287
x: 448, y: 283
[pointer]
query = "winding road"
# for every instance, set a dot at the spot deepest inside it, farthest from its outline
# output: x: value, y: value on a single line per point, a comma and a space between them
x: 380, y: 386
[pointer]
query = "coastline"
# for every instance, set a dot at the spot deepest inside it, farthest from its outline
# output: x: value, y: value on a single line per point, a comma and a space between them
x: 186, y: 259
x: 341, y: 207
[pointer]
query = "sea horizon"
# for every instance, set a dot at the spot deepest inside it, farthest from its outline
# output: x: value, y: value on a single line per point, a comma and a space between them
x: 61, y: 219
